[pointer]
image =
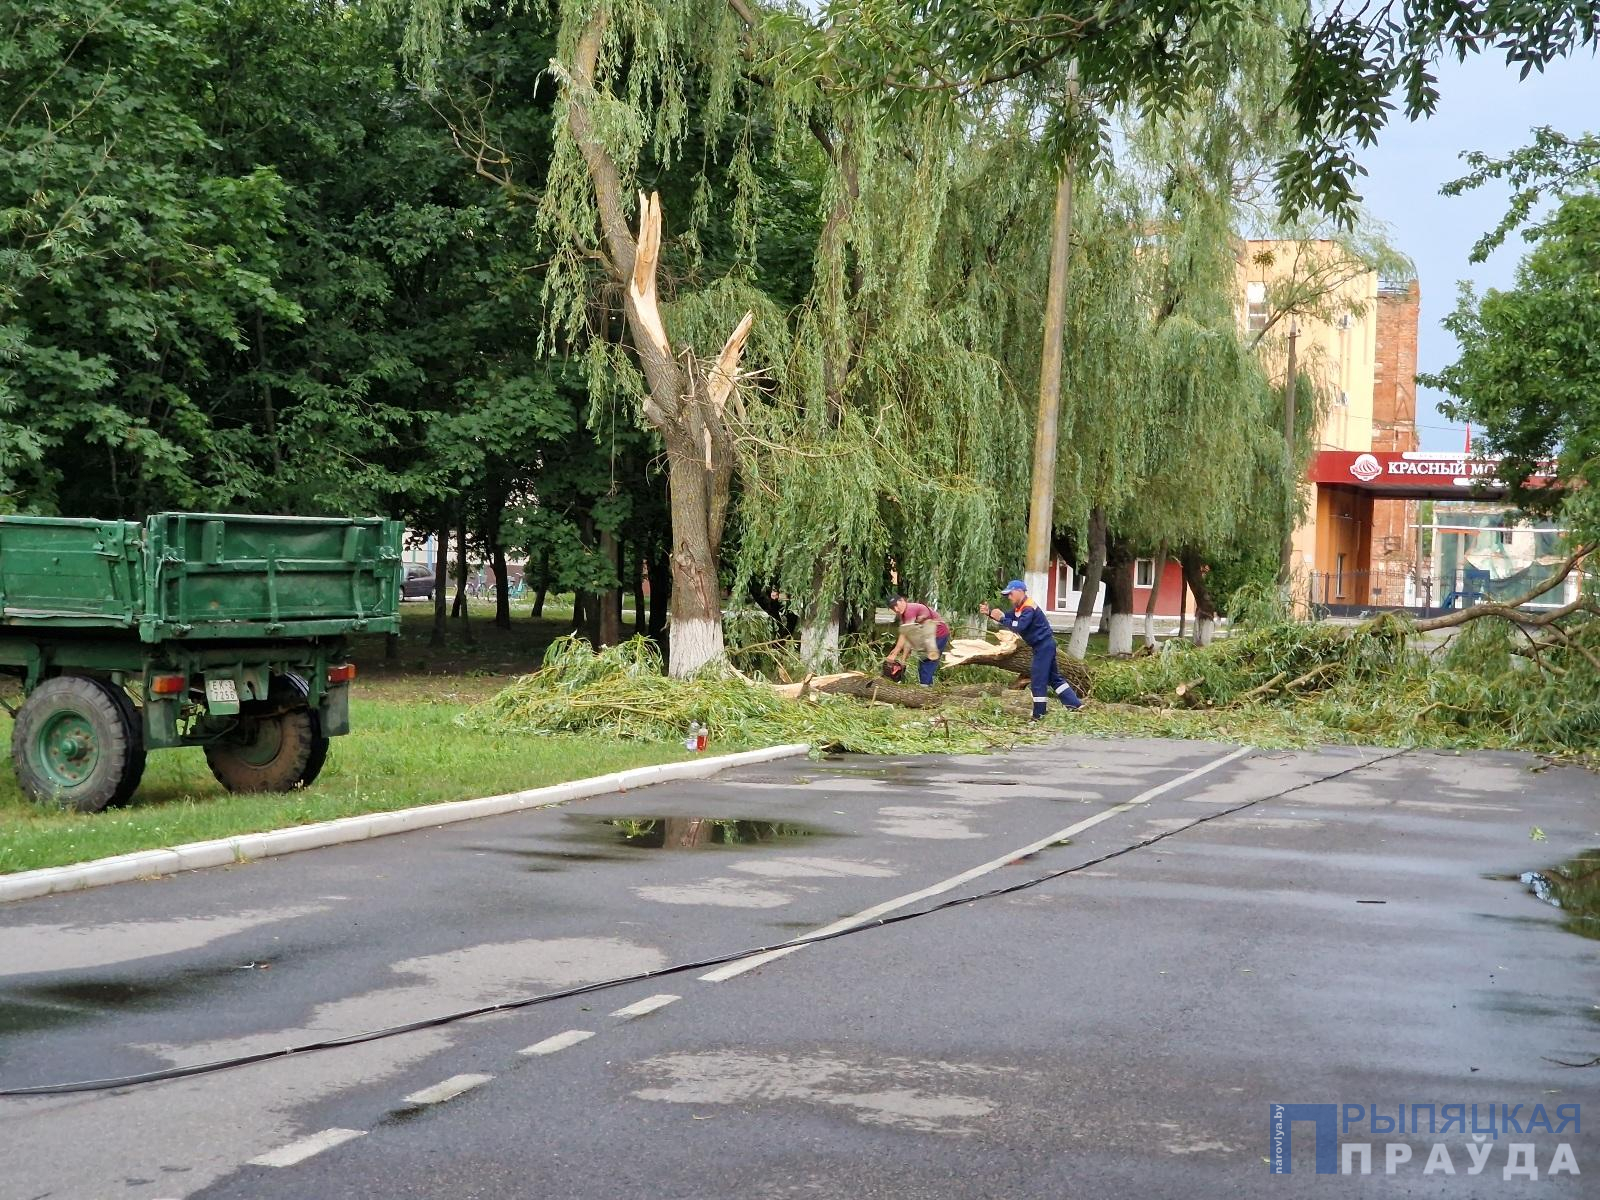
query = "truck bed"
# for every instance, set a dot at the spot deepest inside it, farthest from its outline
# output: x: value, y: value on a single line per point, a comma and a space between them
x: 200, y: 576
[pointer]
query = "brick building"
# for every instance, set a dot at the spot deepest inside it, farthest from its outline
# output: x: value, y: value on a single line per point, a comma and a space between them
x: 1394, y: 428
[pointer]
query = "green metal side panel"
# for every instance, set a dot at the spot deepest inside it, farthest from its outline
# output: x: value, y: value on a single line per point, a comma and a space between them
x: 201, y: 576
x: 64, y: 573
x: 213, y: 575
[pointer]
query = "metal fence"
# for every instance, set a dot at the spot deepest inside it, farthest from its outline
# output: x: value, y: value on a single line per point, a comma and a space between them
x: 1351, y: 593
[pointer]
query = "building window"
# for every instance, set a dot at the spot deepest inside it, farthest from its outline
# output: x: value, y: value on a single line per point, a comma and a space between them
x: 1256, y: 312
x: 1144, y: 572
x: 1063, y: 585
x: 1338, y: 577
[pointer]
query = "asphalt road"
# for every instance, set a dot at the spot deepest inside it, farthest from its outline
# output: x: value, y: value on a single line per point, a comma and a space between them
x: 1120, y: 1030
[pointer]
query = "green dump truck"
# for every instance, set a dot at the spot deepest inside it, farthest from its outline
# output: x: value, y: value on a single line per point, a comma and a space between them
x: 221, y: 631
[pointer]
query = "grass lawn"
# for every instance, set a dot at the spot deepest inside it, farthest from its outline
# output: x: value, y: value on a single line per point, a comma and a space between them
x: 405, y: 750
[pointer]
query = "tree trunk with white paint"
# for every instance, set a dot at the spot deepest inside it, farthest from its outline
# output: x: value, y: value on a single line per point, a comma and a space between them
x: 1155, y: 591
x: 1119, y: 599
x: 819, y: 637
x: 1205, y: 612
x: 1083, y: 625
x: 1121, y: 645
x: 685, y: 402
x: 819, y: 625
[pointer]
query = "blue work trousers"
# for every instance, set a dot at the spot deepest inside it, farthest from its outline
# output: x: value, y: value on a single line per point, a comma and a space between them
x: 927, y: 668
x: 1046, y: 677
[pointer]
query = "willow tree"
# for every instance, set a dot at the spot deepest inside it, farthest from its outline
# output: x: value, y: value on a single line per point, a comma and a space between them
x: 1188, y: 176
x: 899, y: 432
x: 634, y: 75
x: 1214, y: 477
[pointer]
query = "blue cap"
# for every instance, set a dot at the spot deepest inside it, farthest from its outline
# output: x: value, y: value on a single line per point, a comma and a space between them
x: 1016, y: 585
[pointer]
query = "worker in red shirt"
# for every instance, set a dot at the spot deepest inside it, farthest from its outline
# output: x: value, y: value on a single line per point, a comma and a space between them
x: 921, y: 629
x: 1028, y: 621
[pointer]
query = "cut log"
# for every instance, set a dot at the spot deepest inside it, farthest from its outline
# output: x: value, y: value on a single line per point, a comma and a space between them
x: 812, y: 683
x: 873, y: 688
x: 1010, y: 653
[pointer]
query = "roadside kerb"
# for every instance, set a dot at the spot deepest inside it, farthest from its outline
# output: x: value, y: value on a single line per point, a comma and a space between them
x: 143, y: 864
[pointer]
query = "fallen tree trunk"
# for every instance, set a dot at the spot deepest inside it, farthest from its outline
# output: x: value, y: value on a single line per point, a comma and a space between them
x: 868, y: 687
x: 1509, y: 609
x: 1010, y: 653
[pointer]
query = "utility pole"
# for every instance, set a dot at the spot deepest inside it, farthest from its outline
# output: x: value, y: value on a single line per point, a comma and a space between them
x: 1042, y: 504
x: 1286, y: 552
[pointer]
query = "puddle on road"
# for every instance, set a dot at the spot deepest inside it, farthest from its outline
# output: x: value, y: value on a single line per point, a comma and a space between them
x: 552, y: 860
x: 34, y: 1007
x: 891, y: 772
x: 399, y: 1116
x: 1574, y: 888
x: 615, y: 839
x: 690, y: 833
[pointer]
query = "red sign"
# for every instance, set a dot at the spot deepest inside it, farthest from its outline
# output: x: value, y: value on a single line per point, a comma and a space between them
x: 1408, y: 472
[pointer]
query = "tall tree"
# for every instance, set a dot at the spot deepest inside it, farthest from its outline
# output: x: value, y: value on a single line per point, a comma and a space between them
x: 1346, y: 61
x: 128, y: 254
x: 1528, y: 377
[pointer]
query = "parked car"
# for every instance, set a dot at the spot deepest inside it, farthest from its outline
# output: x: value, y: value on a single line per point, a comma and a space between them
x: 418, y: 583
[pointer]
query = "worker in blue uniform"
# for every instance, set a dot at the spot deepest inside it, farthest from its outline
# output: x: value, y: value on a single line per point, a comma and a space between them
x: 1028, y: 621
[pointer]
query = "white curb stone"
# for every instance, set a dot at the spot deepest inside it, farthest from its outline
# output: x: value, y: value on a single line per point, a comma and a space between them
x: 143, y: 864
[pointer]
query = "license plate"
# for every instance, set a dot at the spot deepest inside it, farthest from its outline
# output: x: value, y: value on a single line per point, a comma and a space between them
x: 221, y: 691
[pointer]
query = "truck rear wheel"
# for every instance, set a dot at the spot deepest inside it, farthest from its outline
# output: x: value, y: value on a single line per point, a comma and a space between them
x: 134, y: 773
x: 272, y: 746
x: 74, y: 745
x: 289, y: 689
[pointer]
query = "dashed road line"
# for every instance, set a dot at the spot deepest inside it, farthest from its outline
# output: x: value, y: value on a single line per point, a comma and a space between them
x: 294, y: 1152
x: 448, y: 1090
x: 559, y: 1042
x: 742, y: 965
x: 648, y: 1005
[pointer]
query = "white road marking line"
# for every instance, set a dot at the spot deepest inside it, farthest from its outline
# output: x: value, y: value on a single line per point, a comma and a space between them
x: 871, y: 914
x: 448, y: 1090
x: 648, y: 1005
x: 559, y: 1042
x: 287, y: 1156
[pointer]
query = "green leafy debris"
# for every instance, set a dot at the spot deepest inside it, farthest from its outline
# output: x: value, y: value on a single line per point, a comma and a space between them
x: 622, y: 692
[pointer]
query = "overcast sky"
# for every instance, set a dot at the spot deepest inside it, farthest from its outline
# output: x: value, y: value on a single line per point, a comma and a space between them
x: 1482, y: 106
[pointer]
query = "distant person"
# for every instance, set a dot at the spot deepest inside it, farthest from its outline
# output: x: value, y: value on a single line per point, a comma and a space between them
x: 923, y: 630
x: 1028, y: 621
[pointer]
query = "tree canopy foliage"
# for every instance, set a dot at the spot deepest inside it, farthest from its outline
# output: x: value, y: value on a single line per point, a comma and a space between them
x: 296, y: 256
x: 1529, y: 371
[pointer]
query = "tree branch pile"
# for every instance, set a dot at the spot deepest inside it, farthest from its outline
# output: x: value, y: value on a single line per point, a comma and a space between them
x: 1510, y: 676
x: 1007, y: 652
x: 621, y: 692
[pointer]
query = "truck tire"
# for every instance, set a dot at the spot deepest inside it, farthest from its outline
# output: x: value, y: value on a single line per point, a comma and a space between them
x: 288, y: 688
x: 274, y: 746
x: 136, y: 757
x: 73, y: 745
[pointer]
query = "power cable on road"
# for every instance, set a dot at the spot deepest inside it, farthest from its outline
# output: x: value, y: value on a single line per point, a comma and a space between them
x: 356, y: 1039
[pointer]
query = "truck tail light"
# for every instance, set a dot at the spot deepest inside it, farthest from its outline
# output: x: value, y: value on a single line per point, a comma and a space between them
x: 343, y: 673
x: 168, y: 685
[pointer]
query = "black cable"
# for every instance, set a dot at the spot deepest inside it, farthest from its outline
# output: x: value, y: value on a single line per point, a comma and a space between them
x: 356, y: 1039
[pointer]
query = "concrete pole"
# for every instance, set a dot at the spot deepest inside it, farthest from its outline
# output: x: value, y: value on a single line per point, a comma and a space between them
x: 1042, y: 506
x: 1042, y: 503
x: 1286, y: 551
